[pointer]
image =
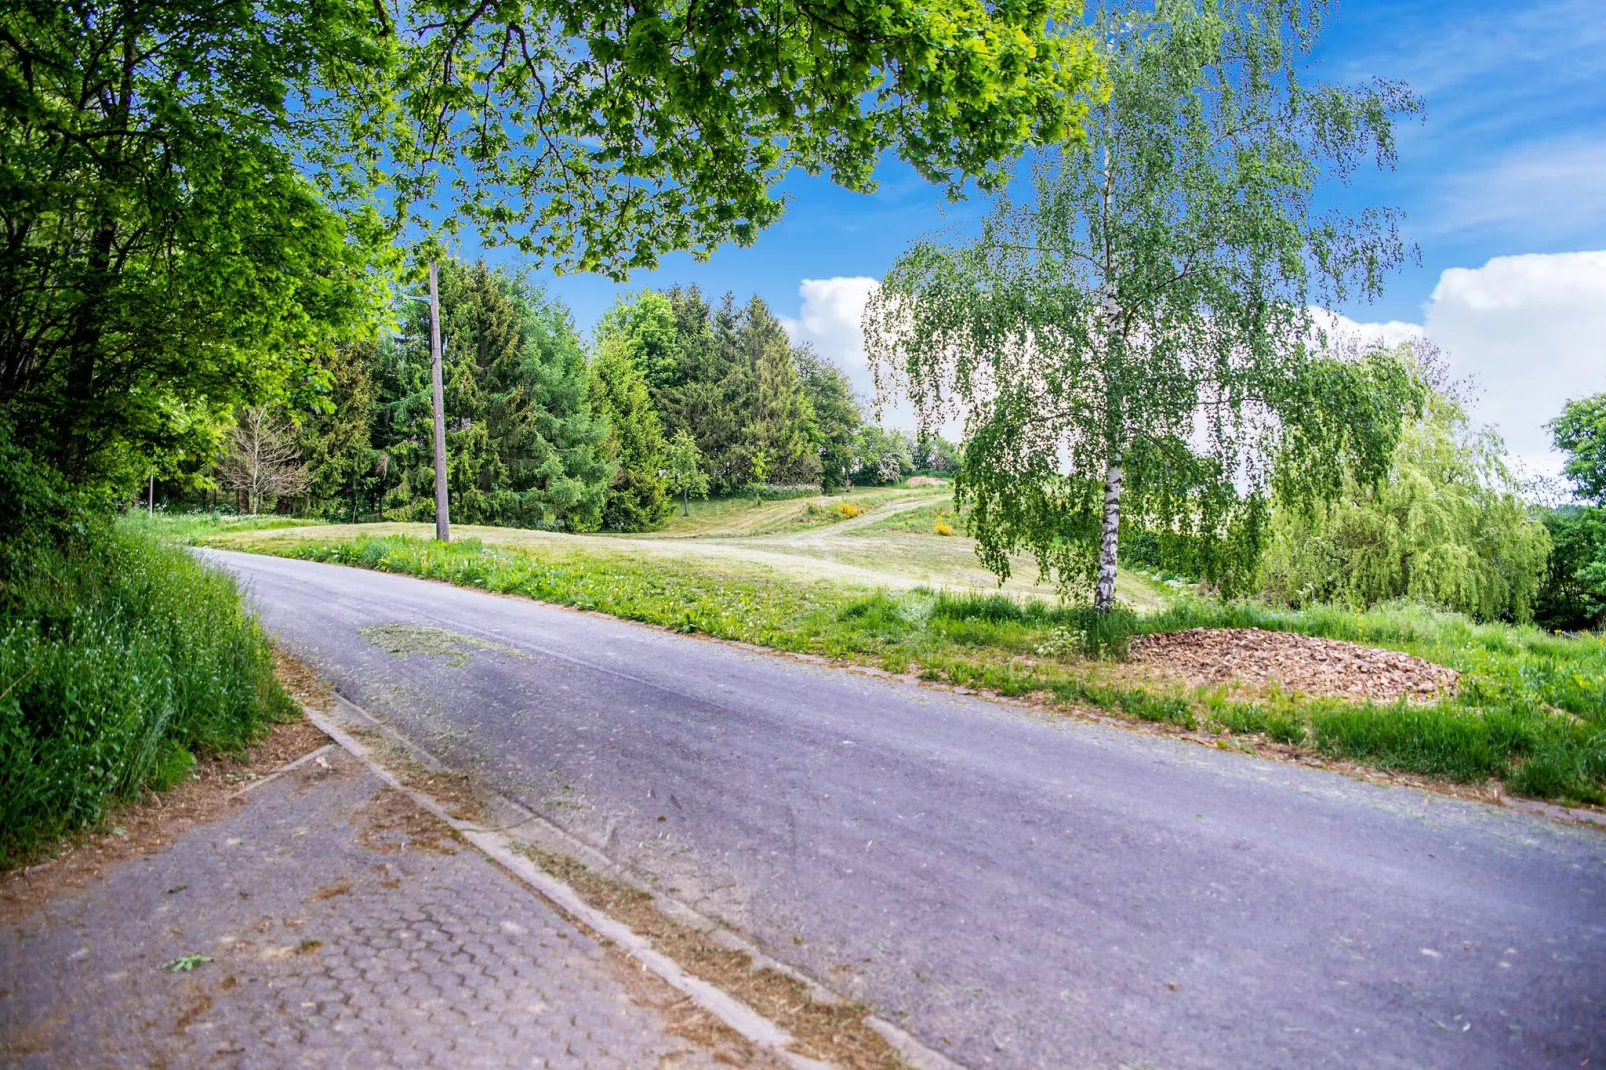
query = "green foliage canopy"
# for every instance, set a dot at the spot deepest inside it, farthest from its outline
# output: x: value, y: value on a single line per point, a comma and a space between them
x: 635, y: 444
x: 604, y: 134
x: 164, y: 259
x: 836, y: 415
x: 683, y: 473
x: 732, y: 379
x: 524, y: 445
x: 1580, y: 432
x: 1574, y: 594
x: 1447, y: 527
x: 1136, y: 336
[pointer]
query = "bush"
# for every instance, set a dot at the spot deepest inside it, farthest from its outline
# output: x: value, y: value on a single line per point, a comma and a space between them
x: 780, y: 492
x: 121, y: 658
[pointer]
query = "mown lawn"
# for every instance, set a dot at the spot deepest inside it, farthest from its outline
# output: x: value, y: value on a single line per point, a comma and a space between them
x: 1530, y: 712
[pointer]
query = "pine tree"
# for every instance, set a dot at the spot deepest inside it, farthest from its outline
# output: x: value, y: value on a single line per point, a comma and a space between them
x: 636, y: 499
x: 335, y: 443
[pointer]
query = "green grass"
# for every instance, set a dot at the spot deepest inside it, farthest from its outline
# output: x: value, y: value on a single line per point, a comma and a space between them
x: 922, y: 520
x: 741, y: 516
x: 122, y: 659
x: 196, y: 528
x: 1531, y: 710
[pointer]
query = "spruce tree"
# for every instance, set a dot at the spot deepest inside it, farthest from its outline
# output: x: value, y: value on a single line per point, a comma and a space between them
x: 524, y: 448
x: 548, y: 438
x: 636, y: 498
x: 335, y: 442
x: 783, y: 424
x: 474, y: 327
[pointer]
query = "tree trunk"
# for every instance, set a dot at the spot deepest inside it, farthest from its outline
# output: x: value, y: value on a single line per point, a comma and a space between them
x: 686, y: 502
x: 1104, y: 593
x: 443, y: 526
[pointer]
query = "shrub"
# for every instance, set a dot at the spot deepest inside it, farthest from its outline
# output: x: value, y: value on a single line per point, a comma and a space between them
x: 121, y: 658
x: 848, y: 509
x: 780, y: 492
x: 942, y: 528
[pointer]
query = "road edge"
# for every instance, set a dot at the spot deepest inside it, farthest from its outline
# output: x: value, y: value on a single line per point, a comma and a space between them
x: 496, y: 842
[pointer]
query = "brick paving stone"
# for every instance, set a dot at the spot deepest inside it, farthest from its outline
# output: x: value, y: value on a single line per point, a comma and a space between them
x: 345, y: 931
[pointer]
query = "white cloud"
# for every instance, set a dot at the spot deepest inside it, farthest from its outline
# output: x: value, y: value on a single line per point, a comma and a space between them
x: 1531, y: 331
x: 1341, y: 329
x: 830, y: 321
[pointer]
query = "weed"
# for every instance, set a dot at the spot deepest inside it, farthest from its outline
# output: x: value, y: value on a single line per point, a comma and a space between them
x: 121, y: 659
x: 186, y: 963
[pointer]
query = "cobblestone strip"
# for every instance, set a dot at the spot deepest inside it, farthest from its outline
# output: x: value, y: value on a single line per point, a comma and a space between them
x: 328, y: 922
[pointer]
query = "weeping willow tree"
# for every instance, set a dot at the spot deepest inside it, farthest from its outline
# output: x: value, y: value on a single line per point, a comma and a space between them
x: 1448, y: 527
x: 1136, y: 337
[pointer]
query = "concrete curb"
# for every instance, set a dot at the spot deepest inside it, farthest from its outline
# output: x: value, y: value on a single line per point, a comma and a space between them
x: 499, y: 847
x: 518, y: 824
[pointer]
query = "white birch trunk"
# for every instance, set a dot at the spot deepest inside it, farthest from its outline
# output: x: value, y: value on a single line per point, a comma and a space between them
x: 1104, y: 593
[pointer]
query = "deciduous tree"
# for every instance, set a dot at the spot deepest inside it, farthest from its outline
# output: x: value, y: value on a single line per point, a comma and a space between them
x: 1447, y: 527
x: 1580, y: 432
x: 1136, y: 336
x: 836, y: 415
x: 164, y: 259
x: 683, y: 469
x: 636, y: 495
x: 602, y: 135
x: 263, y: 458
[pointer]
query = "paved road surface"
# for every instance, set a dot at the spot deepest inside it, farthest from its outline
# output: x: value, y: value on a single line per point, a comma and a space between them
x: 1016, y: 890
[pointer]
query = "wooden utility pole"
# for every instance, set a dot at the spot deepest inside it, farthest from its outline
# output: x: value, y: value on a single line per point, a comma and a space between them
x: 443, y: 524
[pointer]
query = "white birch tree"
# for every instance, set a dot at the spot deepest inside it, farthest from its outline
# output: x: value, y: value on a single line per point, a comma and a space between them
x: 1136, y: 336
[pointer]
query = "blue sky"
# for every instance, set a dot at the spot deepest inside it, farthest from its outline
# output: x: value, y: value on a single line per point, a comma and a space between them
x: 1509, y: 162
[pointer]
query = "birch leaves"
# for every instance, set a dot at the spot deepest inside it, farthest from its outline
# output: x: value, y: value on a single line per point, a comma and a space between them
x: 1132, y: 343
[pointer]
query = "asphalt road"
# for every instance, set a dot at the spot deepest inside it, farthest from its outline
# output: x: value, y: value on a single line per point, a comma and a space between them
x: 1015, y: 890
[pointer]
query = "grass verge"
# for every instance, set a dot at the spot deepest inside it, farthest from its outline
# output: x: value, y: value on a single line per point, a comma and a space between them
x: 1531, y: 710
x: 122, y: 660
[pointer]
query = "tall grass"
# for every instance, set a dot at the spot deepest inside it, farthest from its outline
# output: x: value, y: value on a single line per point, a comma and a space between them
x: 122, y: 657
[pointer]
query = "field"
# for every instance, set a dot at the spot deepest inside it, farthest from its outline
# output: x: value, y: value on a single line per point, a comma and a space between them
x: 883, y: 589
x: 891, y: 545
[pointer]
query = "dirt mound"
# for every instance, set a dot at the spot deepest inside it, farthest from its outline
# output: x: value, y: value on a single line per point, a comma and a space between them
x: 924, y: 481
x: 1324, y: 668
